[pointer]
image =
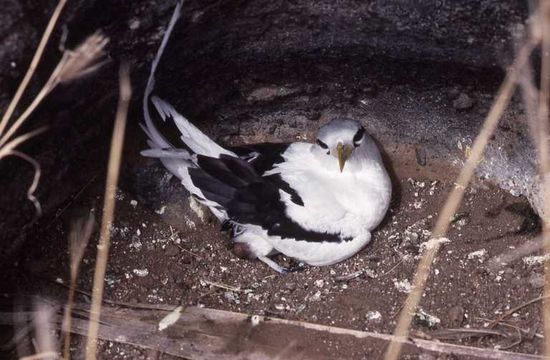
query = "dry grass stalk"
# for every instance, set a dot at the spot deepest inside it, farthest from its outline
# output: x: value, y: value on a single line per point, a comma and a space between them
x: 505, y: 258
x: 455, y: 198
x: 43, y: 319
x: 544, y: 158
x: 108, y: 209
x: 78, y: 240
x: 42, y: 355
x: 32, y: 67
x: 72, y: 65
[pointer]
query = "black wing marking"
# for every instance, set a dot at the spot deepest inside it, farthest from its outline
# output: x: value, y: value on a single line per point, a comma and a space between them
x: 250, y: 198
x: 263, y: 157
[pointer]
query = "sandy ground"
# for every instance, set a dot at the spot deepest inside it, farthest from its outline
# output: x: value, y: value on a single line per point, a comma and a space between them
x: 189, y: 262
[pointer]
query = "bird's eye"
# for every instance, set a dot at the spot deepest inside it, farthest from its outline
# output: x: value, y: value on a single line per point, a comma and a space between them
x: 322, y: 144
x: 358, y: 137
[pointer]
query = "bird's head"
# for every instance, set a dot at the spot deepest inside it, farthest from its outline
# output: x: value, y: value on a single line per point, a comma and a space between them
x: 340, y: 138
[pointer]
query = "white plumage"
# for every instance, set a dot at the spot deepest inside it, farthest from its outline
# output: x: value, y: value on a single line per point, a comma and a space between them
x: 317, y: 203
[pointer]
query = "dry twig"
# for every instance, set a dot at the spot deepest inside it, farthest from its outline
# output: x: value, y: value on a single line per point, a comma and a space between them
x: 32, y: 67
x: 42, y: 355
x: 78, y: 240
x: 108, y: 209
x: 455, y: 198
x: 72, y: 65
x: 513, y: 310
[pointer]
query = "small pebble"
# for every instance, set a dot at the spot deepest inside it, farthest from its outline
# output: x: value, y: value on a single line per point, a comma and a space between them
x: 463, y: 102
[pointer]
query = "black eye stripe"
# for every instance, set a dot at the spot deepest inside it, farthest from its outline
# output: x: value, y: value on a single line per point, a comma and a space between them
x: 359, y: 134
x: 321, y: 144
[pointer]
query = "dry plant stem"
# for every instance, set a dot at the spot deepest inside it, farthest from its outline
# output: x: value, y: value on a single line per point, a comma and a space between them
x: 108, y: 209
x: 7, y: 149
x: 544, y: 160
x: 455, y: 198
x: 32, y: 67
x: 42, y: 355
x: 36, y: 178
x: 513, y: 310
x: 78, y: 240
x: 48, y: 87
x: 72, y: 65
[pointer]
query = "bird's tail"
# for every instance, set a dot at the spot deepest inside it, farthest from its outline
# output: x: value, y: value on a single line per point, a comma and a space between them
x: 194, y: 141
x: 177, y: 159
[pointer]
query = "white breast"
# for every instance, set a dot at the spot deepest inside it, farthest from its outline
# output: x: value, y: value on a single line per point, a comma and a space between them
x: 349, y: 203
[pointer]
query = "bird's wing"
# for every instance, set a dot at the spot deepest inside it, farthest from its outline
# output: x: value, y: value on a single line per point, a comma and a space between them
x: 249, y: 198
x: 262, y: 156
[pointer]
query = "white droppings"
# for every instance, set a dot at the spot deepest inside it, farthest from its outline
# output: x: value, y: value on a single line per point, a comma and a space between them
x: 255, y: 320
x: 141, y: 272
x: 433, y: 243
x: 403, y: 286
x: 480, y: 255
x: 190, y: 223
x: 133, y: 203
x: 316, y: 296
x: 374, y: 316
x: 161, y: 210
x: 197, y: 208
x: 536, y: 260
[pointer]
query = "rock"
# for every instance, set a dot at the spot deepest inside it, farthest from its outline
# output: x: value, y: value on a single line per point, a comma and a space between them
x: 536, y: 280
x: 421, y: 156
x: 463, y: 102
x: 456, y: 316
x: 267, y: 93
x: 422, y: 318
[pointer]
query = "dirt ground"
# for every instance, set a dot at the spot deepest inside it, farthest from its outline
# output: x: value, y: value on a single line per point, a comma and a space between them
x: 157, y: 260
x: 167, y: 250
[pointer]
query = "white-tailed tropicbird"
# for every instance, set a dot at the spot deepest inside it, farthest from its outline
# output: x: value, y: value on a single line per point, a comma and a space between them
x: 317, y: 202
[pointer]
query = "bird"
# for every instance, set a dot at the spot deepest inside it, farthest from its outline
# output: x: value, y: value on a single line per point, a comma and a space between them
x: 315, y: 202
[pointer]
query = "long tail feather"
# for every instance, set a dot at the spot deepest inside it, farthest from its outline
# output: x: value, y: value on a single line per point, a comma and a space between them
x: 195, y: 139
x: 152, y: 131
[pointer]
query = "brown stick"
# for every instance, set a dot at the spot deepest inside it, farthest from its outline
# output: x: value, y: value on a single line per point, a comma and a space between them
x: 202, y: 333
x: 455, y: 198
x: 108, y: 209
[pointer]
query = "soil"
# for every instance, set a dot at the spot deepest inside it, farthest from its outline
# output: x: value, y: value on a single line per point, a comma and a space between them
x: 421, y: 89
x: 156, y: 259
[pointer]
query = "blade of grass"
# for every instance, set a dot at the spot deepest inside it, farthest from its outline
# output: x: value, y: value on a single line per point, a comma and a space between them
x: 108, y: 209
x: 455, y: 198
x: 32, y: 67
